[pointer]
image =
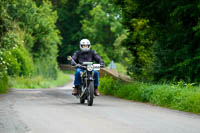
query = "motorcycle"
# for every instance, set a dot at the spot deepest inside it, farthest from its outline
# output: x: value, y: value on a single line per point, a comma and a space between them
x: 86, y: 89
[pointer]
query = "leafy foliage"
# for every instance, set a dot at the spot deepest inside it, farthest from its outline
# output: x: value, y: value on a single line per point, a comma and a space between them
x: 100, y: 50
x: 28, y: 35
x: 163, y: 38
x: 99, y: 21
x: 5, y: 27
x: 69, y: 26
x: 102, y: 24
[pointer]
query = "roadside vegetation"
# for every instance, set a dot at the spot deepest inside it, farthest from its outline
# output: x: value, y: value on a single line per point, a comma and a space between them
x: 28, y: 42
x: 39, y: 81
x: 164, y: 45
x: 179, y: 96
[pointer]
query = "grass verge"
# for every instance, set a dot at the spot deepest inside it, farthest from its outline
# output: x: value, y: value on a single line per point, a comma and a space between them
x: 68, y: 71
x: 179, y: 96
x: 4, y: 84
x: 39, y: 81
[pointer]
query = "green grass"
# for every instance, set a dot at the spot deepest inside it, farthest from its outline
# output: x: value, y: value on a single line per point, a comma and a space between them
x: 179, y: 96
x: 39, y: 81
x: 4, y: 84
x: 68, y: 71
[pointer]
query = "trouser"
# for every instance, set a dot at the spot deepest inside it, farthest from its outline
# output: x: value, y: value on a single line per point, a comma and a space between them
x: 77, y: 80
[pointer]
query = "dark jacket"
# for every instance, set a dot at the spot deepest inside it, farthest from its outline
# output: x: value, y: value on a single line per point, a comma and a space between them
x: 90, y: 56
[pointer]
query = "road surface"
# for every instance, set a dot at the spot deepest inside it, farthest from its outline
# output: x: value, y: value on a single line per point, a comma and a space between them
x: 57, y: 111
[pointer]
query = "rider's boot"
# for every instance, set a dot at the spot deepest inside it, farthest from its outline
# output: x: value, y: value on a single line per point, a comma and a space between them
x: 75, y: 91
x: 96, y: 92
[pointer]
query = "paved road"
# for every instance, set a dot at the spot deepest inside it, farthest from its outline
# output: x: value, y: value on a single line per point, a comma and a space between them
x: 57, y: 111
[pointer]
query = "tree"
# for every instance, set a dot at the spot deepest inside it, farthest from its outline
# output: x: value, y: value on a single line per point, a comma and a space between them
x: 99, y: 21
x: 31, y: 30
x: 69, y: 26
x: 102, y: 25
x: 174, y: 34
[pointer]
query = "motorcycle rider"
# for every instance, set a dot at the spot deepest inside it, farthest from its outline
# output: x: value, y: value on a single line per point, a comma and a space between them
x: 85, y: 54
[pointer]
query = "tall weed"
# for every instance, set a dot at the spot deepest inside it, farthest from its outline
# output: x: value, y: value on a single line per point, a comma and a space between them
x: 3, y: 83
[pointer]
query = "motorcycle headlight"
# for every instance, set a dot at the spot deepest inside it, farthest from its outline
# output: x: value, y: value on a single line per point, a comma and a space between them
x: 89, y: 67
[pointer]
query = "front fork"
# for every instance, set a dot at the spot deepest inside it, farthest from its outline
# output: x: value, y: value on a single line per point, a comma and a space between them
x: 86, y: 78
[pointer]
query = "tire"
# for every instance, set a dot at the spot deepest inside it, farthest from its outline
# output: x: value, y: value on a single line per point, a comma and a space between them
x: 90, y: 93
x: 82, y: 100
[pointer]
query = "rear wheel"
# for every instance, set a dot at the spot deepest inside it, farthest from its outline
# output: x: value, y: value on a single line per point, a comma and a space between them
x: 90, y: 93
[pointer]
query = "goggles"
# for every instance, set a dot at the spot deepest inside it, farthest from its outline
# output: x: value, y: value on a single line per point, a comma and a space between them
x: 84, y: 45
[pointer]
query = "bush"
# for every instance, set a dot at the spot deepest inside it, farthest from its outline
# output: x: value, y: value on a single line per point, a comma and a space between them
x: 28, y: 38
x: 36, y: 34
x: 187, y: 100
x: 19, y: 62
x: 163, y: 95
x: 13, y: 64
x: 46, y: 68
x: 25, y: 60
x: 179, y: 96
x: 3, y: 83
x: 108, y: 85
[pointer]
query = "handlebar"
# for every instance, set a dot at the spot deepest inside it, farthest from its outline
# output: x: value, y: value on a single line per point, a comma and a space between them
x: 85, y: 67
x: 102, y: 66
x: 79, y: 65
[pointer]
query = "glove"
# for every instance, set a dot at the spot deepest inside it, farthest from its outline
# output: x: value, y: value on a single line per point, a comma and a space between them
x: 78, y: 65
x: 102, y: 65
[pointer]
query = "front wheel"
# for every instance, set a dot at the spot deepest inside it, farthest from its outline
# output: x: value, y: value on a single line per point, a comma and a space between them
x: 90, y: 93
x: 82, y: 100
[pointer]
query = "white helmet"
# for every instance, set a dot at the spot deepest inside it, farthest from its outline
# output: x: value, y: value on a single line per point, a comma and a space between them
x: 85, y: 42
